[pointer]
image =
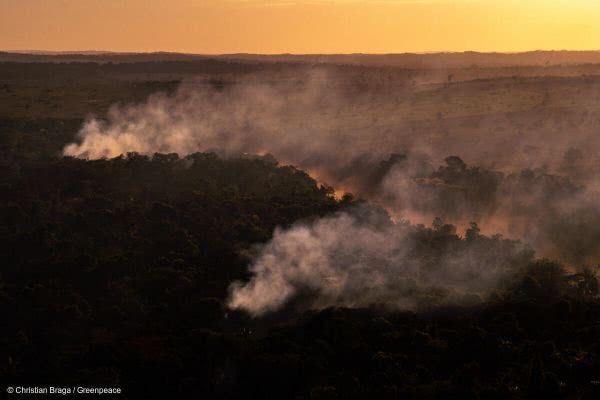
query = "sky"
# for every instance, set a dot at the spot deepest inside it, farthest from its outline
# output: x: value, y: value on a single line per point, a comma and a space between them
x: 299, y: 26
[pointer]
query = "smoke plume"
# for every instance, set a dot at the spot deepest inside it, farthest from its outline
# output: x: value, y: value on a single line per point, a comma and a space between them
x: 360, y: 257
x: 530, y: 174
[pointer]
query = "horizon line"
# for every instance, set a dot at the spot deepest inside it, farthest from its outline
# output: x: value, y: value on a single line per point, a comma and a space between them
x: 432, y: 52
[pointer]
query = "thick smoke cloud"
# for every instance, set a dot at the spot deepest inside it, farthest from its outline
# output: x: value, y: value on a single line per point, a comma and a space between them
x: 359, y: 258
x: 530, y: 175
x: 284, y: 118
x: 341, y: 128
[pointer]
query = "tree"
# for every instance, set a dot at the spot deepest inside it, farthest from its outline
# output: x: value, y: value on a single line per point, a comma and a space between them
x: 473, y: 231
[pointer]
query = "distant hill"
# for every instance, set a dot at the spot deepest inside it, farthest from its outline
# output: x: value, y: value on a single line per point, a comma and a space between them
x: 438, y: 60
x: 96, y: 57
x: 406, y: 60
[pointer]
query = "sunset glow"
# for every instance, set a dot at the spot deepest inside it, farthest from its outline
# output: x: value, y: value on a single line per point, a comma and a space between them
x: 300, y: 26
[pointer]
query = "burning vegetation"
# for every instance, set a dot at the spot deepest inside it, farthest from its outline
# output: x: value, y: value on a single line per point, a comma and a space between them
x: 176, y: 245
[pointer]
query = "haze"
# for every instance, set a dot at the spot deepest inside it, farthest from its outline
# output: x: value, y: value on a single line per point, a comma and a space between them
x: 302, y: 26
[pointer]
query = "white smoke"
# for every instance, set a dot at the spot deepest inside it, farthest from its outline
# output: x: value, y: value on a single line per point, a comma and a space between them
x: 340, y: 131
x: 251, y: 117
x: 354, y: 260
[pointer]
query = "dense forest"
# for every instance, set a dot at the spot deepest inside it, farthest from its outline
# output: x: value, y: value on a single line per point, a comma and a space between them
x: 118, y: 272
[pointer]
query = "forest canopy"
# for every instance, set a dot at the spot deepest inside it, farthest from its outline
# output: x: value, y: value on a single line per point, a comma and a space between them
x: 124, y: 266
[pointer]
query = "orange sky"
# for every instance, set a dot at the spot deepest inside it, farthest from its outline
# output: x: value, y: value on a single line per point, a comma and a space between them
x: 299, y: 26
